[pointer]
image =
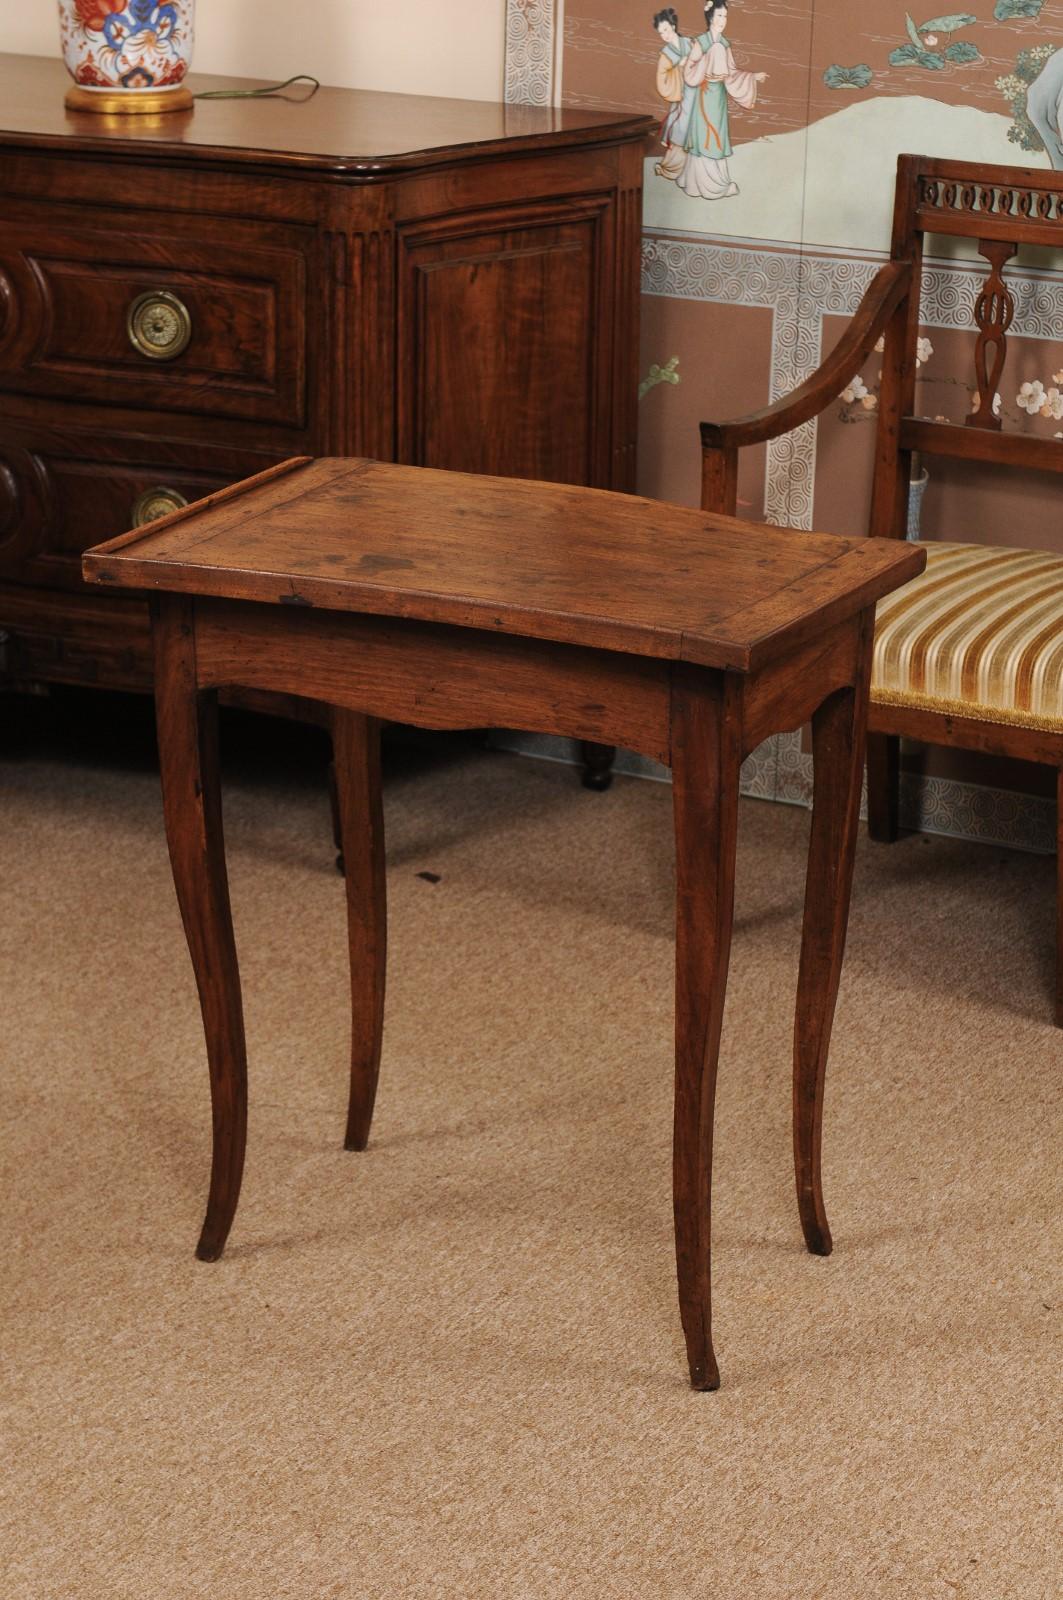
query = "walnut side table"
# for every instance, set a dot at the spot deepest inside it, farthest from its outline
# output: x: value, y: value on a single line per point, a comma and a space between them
x: 446, y: 600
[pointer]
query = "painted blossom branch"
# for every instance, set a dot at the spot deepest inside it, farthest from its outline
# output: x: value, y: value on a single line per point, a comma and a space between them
x: 859, y: 401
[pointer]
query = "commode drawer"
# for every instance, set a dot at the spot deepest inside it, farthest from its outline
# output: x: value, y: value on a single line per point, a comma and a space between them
x: 63, y: 490
x: 207, y: 316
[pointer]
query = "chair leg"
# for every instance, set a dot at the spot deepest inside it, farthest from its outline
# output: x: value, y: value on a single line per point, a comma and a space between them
x: 883, y: 786
x: 1059, y: 898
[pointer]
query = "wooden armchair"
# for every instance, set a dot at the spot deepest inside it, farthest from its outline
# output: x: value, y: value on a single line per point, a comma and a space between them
x: 970, y: 654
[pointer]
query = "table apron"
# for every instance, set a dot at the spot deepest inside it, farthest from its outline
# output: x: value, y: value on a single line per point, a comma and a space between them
x: 433, y: 676
x: 783, y: 695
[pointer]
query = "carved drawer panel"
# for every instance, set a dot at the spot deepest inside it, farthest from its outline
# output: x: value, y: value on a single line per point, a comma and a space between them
x: 210, y: 318
x: 62, y: 490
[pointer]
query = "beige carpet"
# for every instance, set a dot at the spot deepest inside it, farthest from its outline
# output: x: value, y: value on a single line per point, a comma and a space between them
x: 453, y: 1366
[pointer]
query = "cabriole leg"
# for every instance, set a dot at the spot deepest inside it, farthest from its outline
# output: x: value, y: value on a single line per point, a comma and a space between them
x: 706, y: 758
x: 837, y: 749
x: 356, y: 753
x: 188, y: 757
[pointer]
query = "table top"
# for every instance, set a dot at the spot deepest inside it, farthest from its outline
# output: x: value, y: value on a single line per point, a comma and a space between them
x: 355, y: 133
x: 539, y: 560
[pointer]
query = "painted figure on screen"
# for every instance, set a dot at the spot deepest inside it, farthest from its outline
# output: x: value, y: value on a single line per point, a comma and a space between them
x: 672, y: 87
x: 697, y: 77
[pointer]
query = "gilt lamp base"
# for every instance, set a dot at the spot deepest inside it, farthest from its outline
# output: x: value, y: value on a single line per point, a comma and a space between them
x: 129, y: 102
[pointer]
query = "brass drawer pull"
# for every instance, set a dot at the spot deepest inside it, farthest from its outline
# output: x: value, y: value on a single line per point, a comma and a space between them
x: 157, y: 502
x: 159, y: 325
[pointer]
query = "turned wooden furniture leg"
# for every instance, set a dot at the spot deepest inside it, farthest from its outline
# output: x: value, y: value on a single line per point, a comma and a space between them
x: 597, y: 764
x: 838, y: 729
x: 706, y: 758
x: 883, y: 786
x: 356, y: 753
x: 188, y: 756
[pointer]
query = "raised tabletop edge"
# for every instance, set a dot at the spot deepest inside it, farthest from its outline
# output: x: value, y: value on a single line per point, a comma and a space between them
x: 188, y: 513
x: 638, y: 640
x: 766, y: 646
x: 742, y: 640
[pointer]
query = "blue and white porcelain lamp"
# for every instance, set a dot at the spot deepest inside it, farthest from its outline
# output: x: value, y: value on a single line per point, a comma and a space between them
x: 128, y: 55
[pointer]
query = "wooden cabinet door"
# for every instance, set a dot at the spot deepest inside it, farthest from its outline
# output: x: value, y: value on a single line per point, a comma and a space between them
x: 504, y: 358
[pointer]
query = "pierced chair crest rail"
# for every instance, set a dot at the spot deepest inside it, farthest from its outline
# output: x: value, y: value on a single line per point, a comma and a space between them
x: 970, y: 653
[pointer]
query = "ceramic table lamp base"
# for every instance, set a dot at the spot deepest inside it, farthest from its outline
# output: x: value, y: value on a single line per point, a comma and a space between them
x: 127, y: 56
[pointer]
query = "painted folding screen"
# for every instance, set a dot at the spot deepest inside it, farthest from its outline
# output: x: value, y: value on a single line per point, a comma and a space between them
x: 768, y: 201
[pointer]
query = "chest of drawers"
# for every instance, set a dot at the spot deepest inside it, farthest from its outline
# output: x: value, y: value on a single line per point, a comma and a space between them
x: 435, y: 282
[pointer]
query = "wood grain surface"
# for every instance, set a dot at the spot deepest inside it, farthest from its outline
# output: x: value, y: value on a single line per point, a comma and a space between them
x: 445, y: 599
x: 357, y: 133
x: 546, y: 561
x: 341, y: 263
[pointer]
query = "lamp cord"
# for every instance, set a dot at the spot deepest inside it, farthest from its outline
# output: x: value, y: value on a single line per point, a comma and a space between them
x: 270, y: 91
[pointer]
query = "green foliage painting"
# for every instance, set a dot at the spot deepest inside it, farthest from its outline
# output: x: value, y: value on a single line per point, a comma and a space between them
x: 1008, y: 10
x: 848, y: 77
x: 669, y: 373
x: 922, y: 47
x: 1014, y: 87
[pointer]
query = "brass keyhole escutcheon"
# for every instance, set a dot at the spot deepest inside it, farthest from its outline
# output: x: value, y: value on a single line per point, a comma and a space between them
x: 159, y: 325
x: 154, y: 503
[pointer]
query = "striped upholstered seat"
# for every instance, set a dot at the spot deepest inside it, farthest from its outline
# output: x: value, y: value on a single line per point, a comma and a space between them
x: 978, y: 634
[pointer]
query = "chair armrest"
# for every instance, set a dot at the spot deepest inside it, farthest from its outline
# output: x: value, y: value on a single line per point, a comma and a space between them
x: 721, y: 441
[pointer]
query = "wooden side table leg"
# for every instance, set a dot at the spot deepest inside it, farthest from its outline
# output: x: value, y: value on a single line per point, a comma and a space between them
x: 838, y: 730
x: 356, y: 749
x: 883, y: 787
x: 334, y: 809
x: 706, y: 759
x: 188, y: 756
